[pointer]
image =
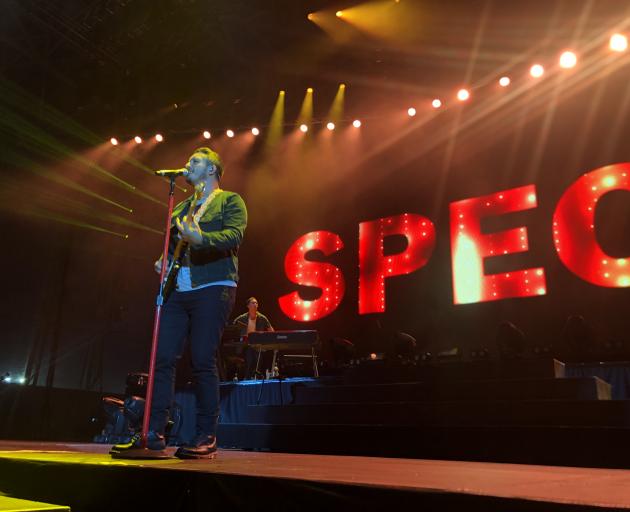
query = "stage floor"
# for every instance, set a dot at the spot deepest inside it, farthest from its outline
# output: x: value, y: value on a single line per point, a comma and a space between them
x: 557, y: 485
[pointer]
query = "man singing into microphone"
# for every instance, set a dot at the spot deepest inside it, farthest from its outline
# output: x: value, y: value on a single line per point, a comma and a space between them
x: 199, y: 307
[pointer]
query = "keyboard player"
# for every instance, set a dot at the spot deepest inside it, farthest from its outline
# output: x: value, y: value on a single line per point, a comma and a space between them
x: 252, y: 320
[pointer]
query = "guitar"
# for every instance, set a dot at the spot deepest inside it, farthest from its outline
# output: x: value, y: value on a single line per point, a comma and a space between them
x: 170, y: 281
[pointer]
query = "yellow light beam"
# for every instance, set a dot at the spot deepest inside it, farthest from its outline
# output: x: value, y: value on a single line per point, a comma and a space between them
x: 57, y: 217
x: 39, y: 140
x: 48, y: 146
x: 386, y: 19
x: 338, y: 31
x: 49, y: 204
x: 31, y: 166
x: 11, y: 94
x: 335, y: 114
x: 306, y: 111
x: 276, y: 123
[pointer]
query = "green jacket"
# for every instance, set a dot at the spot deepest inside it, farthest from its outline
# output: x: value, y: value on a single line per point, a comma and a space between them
x: 223, y: 226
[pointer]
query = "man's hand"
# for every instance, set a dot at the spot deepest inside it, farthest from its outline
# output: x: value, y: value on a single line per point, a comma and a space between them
x: 157, y: 266
x: 189, y: 231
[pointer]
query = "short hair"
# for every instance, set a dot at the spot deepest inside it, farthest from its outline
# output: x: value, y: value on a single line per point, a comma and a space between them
x: 213, y: 157
x: 250, y: 300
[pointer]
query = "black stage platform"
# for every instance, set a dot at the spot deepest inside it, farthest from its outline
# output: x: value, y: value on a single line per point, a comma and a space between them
x: 84, y: 477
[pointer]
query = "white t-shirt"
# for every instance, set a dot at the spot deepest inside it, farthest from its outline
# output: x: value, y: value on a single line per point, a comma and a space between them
x: 184, y: 283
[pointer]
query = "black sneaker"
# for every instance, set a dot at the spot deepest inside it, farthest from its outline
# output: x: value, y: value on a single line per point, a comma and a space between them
x: 204, y: 447
x: 155, y: 448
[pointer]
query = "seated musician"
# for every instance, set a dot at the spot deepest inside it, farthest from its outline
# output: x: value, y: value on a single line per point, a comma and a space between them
x: 252, y: 321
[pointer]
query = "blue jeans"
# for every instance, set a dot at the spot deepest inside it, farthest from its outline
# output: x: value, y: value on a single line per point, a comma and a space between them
x: 199, y: 316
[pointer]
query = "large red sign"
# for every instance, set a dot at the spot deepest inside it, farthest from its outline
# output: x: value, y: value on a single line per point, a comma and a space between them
x: 573, y: 230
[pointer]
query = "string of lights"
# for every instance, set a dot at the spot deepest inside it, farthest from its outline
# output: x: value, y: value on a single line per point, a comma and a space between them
x: 567, y: 60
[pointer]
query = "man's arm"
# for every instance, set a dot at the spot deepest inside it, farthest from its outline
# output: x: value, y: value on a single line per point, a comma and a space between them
x: 267, y: 323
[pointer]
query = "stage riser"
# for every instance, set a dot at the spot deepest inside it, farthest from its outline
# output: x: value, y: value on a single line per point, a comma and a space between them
x: 590, y: 388
x: 383, y: 372
x: 578, y: 413
x: 38, y: 413
x: 105, y: 488
x: 562, y: 446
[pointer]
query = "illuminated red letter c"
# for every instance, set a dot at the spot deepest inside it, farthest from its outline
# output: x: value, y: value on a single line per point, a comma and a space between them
x: 574, y: 228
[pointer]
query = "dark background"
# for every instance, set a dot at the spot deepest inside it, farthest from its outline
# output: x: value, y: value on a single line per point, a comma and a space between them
x: 76, y: 73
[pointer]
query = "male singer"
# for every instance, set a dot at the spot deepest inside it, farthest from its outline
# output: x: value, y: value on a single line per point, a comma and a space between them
x: 199, y: 308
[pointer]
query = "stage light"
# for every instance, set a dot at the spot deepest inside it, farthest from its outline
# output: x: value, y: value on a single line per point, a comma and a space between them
x: 21, y: 380
x: 356, y: 123
x: 504, y: 81
x: 229, y: 133
x: 335, y: 114
x: 255, y: 131
x: 411, y: 111
x: 309, y: 90
x: 159, y: 137
x: 207, y: 134
x: 568, y: 60
x: 310, y: 16
x: 339, y: 14
x: 138, y: 139
x: 330, y: 126
x: 463, y: 94
x: 303, y: 128
x: 618, y: 43
x: 114, y: 141
x: 436, y: 103
x: 275, y: 127
x: 536, y: 71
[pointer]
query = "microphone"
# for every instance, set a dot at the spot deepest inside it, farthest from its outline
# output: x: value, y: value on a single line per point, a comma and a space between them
x: 172, y: 172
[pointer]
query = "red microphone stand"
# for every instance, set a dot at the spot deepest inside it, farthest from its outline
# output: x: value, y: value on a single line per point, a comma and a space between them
x: 158, y: 313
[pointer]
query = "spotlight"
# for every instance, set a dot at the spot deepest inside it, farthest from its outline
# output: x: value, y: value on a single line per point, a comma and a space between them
x: 303, y: 128
x: 114, y: 141
x: 411, y: 111
x: 229, y: 133
x: 159, y: 137
x: 568, y: 60
x: 356, y: 123
x: 536, y: 71
x: 255, y: 131
x: 504, y: 81
x: 310, y: 16
x: 436, y: 103
x: 330, y: 126
x: 22, y: 380
x: 206, y: 134
x: 339, y: 14
x: 309, y: 90
x: 463, y: 94
x: 618, y: 43
x: 138, y: 139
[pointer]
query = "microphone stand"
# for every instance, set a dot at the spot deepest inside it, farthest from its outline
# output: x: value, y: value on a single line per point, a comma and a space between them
x: 158, y: 313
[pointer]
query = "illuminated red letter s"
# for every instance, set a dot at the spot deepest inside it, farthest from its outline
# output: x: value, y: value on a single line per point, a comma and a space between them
x: 325, y: 276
